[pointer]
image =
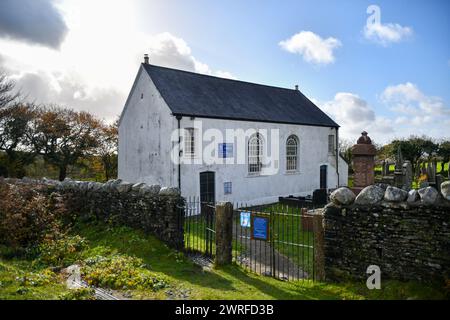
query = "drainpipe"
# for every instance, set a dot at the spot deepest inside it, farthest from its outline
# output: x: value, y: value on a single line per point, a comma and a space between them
x: 337, y: 155
x: 178, y: 117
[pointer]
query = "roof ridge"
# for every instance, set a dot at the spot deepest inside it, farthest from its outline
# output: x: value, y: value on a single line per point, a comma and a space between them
x: 217, y: 77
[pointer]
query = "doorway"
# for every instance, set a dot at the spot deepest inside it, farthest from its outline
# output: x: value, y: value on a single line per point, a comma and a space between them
x: 323, y: 177
x: 207, y: 187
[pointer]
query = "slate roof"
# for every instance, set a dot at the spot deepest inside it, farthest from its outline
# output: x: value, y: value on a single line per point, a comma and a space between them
x: 197, y: 95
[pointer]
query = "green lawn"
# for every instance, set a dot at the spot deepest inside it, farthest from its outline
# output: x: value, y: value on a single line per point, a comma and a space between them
x: 184, y: 279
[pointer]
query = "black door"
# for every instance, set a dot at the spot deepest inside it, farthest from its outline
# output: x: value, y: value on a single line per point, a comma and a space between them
x: 323, y: 177
x: 207, y: 187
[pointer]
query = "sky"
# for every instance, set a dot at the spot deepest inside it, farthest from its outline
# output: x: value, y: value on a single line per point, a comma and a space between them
x: 379, y: 66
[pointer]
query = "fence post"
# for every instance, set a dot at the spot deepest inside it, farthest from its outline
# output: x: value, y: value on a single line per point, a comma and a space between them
x: 319, y: 256
x: 224, y: 233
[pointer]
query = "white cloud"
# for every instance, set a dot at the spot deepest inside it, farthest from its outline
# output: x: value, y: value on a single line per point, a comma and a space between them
x: 354, y: 115
x: 97, y: 61
x: 311, y: 47
x: 386, y: 33
x: 225, y: 74
x: 407, y: 99
x: 171, y: 51
x: 415, y: 112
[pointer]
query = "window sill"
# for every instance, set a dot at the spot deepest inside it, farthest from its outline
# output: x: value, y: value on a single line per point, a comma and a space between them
x: 189, y: 157
x: 292, y: 173
x: 255, y: 175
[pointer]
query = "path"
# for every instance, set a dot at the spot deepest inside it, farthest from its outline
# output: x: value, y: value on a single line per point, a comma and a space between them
x: 259, y: 256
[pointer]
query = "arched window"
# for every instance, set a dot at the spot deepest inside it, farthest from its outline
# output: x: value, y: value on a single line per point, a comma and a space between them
x: 255, y: 154
x: 292, y: 153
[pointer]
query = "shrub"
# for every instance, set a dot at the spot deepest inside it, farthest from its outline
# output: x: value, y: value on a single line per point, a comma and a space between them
x: 35, y: 279
x: 79, y: 294
x: 120, y: 272
x: 61, y: 252
x: 27, y: 214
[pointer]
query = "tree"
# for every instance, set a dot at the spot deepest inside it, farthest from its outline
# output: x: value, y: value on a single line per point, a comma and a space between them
x: 14, y: 118
x: 444, y: 153
x: 62, y: 136
x: 107, y: 148
x: 7, y: 95
x: 345, y: 149
x: 414, y: 149
x: 14, y: 121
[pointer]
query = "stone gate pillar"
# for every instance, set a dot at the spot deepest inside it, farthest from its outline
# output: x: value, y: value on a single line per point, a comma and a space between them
x: 363, y: 163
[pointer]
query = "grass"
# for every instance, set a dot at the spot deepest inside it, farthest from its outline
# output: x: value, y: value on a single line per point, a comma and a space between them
x: 20, y: 281
x: 440, y: 167
x: 184, y: 278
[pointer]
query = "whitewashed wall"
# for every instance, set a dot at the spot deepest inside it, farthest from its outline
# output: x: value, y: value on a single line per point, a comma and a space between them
x: 145, y: 153
x: 144, y: 132
x: 313, y: 152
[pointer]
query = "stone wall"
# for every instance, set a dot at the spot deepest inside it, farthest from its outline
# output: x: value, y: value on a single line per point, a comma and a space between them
x: 406, y: 234
x: 152, y: 209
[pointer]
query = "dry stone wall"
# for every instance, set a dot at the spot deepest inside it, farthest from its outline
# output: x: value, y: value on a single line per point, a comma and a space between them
x: 406, y: 234
x: 152, y: 209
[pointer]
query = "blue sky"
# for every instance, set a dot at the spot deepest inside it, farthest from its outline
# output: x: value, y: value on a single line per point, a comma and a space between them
x: 396, y: 81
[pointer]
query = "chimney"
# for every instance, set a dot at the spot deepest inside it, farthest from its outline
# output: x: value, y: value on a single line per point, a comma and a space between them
x: 145, y: 58
x: 296, y: 87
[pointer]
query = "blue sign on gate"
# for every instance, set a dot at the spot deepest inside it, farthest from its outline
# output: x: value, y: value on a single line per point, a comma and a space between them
x: 245, y: 219
x: 260, y: 228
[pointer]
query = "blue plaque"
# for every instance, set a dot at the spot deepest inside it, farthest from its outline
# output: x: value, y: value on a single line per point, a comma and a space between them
x: 260, y: 228
x: 245, y: 219
x: 225, y: 150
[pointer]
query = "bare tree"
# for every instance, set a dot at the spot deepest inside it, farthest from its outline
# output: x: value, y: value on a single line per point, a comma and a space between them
x: 7, y: 95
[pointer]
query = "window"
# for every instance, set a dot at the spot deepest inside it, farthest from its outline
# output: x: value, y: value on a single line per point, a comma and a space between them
x: 331, y: 148
x: 255, y: 154
x: 189, y: 142
x: 227, y: 187
x: 291, y: 153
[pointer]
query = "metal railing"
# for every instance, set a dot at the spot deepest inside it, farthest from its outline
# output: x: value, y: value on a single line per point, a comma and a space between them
x: 283, y: 250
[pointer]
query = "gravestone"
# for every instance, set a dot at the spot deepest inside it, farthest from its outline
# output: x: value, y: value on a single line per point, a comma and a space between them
x: 398, y: 173
x: 363, y: 163
x: 407, y: 175
x: 387, y: 166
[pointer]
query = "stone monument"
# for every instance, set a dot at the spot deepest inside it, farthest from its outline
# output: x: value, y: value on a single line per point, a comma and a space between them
x: 398, y: 173
x: 363, y: 163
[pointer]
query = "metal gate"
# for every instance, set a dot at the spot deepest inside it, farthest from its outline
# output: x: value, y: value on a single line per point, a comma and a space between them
x: 285, y: 252
x: 199, y: 227
x: 282, y: 247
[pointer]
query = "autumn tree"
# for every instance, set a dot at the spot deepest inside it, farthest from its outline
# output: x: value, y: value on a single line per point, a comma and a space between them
x: 63, y: 136
x: 107, y: 148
